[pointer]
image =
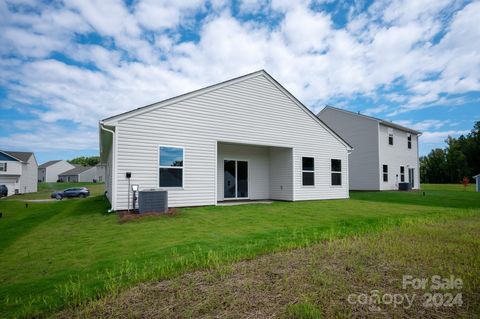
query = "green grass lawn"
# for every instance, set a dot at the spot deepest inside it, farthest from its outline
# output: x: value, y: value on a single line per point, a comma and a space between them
x: 45, y: 189
x: 63, y: 253
x: 315, y: 281
x: 451, y: 195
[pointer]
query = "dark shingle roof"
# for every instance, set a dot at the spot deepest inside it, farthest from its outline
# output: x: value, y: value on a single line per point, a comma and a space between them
x: 49, y: 163
x: 77, y: 170
x: 22, y: 156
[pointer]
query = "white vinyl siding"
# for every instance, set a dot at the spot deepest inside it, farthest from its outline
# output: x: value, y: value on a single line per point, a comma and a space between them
x: 362, y: 134
x: 397, y: 155
x: 253, y: 112
x: 12, y: 168
x: 88, y: 175
x: 28, y: 180
x: 52, y: 171
x: 371, y: 149
x: 281, y: 173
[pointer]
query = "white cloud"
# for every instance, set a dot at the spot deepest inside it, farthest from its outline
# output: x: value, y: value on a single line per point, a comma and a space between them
x: 305, y: 30
x: 441, y: 136
x: 425, y: 125
x: 142, y: 63
x: 50, y: 137
x: 159, y: 15
x: 376, y: 110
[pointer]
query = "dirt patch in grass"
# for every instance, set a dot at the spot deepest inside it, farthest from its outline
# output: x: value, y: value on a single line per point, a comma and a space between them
x: 126, y: 216
x: 317, y: 281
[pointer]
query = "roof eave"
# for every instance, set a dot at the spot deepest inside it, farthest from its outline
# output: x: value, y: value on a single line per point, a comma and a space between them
x: 384, y: 122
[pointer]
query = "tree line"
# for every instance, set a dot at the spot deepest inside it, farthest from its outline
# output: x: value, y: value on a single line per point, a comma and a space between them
x: 460, y: 158
x: 85, y: 161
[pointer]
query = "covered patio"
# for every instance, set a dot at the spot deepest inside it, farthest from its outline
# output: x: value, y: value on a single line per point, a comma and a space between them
x: 254, y: 172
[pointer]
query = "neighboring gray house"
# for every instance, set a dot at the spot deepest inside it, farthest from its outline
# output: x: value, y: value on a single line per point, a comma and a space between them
x: 18, y: 171
x: 243, y: 139
x: 385, y: 153
x: 100, y: 173
x: 48, y: 172
x: 79, y: 174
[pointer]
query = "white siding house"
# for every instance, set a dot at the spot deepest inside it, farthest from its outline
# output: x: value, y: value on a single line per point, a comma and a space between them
x: 100, y: 172
x: 48, y: 172
x: 79, y: 174
x: 246, y: 138
x: 19, y: 172
x: 385, y: 153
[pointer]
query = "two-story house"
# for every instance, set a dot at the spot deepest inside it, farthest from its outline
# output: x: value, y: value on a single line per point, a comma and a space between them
x: 49, y: 171
x: 385, y: 153
x: 18, y: 171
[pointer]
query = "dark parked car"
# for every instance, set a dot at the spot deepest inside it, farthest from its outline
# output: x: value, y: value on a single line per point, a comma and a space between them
x: 3, y: 190
x: 71, y: 192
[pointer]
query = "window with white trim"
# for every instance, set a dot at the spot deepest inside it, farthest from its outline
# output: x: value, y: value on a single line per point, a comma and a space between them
x: 3, y: 167
x: 308, y: 171
x: 402, y: 173
x: 390, y: 136
x: 409, y: 140
x: 385, y: 173
x: 170, y: 171
x: 336, y: 171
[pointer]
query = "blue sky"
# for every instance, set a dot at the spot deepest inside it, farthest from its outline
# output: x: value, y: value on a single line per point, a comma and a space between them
x: 66, y: 65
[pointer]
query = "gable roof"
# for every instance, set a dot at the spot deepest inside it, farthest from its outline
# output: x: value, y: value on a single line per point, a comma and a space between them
x: 77, y: 170
x: 384, y: 122
x: 111, y: 120
x: 49, y: 163
x: 19, y: 156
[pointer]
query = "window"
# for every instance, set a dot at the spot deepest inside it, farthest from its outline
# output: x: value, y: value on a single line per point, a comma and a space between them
x: 409, y: 138
x: 171, y: 167
x: 308, y: 171
x: 3, y: 167
x: 402, y: 174
x: 336, y: 167
x: 385, y: 173
x: 390, y: 136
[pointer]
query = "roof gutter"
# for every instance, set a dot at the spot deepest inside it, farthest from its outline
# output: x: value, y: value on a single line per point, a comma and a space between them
x: 105, y: 129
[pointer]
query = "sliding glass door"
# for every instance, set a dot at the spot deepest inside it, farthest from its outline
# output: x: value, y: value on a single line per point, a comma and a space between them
x: 411, y: 177
x: 235, y: 179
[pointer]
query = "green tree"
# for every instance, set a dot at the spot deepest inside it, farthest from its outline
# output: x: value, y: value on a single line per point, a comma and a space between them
x: 434, y: 166
x: 85, y: 161
x: 457, y: 165
x: 460, y: 158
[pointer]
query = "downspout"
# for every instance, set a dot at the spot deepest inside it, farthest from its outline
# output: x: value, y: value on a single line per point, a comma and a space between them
x: 418, y: 160
x: 113, y: 154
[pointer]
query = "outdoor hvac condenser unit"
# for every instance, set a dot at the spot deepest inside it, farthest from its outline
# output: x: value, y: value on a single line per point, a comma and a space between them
x: 152, y: 201
x: 404, y: 186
